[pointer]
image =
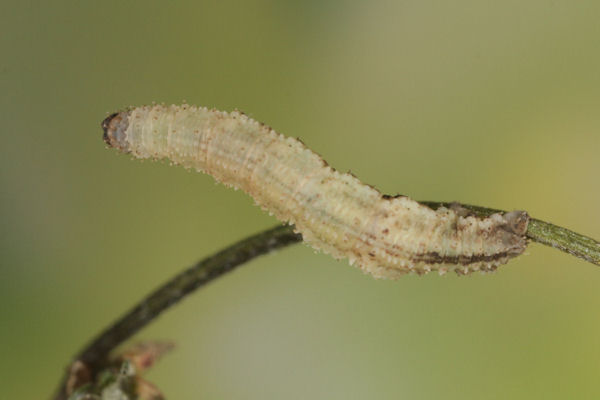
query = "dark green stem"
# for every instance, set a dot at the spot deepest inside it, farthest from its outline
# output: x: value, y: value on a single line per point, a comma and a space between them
x: 95, y: 355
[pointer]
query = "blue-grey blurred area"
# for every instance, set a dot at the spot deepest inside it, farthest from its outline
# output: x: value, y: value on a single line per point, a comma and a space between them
x: 488, y: 103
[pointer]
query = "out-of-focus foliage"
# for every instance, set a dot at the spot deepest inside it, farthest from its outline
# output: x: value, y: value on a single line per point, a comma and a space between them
x: 489, y: 103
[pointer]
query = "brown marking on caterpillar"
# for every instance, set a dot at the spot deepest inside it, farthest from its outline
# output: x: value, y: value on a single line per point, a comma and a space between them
x: 387, y: 236
x: 435, y: 258
x: 390, y: 197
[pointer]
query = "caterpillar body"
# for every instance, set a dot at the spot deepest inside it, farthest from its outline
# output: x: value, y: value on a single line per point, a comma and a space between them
x: 335, y: 212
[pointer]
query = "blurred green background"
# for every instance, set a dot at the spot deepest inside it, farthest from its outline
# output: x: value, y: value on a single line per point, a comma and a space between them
x: 489, y: 103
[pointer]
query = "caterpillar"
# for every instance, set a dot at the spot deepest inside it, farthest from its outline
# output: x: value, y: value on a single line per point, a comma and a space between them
x: 386, y: 236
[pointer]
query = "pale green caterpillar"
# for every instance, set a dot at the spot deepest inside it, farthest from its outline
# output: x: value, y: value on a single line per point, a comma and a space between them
x: 336, y: 213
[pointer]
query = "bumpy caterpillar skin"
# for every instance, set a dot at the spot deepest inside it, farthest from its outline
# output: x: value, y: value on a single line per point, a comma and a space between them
x: 336, y: 213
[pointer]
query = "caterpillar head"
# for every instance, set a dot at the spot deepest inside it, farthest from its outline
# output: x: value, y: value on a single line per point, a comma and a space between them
x: 114, y: 127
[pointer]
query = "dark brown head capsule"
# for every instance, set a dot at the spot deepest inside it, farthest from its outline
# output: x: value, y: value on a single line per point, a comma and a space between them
x: 115, y: 126
x: 105, y: 125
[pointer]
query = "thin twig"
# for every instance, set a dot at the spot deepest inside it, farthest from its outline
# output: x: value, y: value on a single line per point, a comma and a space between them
x: 96, y: 354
